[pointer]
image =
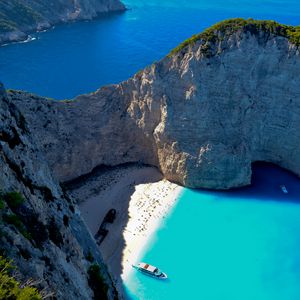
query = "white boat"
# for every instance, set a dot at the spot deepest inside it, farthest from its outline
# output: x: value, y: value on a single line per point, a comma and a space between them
x: 150, y: 271
x: 284, y: 189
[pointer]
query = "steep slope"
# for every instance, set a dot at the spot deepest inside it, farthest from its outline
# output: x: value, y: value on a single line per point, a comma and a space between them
x: 40, y: 226
x: 202, y: 115
x: 20, y: 17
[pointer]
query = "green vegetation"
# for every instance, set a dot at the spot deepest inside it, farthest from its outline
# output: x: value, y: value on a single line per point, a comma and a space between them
x: 97, y: 283
x: 225, y: 28
x: 14, y: 220
x: 7, y: 26
x: 90, y: 256
x: 14, y: 199
x: 14, y: 14
x: 2, y: 204
x: 23, y: 219
x: 10, y: 288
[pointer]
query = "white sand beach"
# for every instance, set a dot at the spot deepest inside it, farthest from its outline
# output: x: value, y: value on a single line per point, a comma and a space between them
x: 148, y: 206
x: 141, y: 197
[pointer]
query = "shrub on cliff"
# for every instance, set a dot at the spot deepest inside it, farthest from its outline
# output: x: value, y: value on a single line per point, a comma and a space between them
x: 10, y: 288
x: 14, y: 220
x: 2, y: 205
x: 90, y: 256
x: 218, y: 31
x: 14, y: 199
x: 96, y: 282
x: 14, y: 13
x: 23, y: 218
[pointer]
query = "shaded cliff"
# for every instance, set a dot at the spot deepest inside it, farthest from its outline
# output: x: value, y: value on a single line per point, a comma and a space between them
x: 18, y: 18
x: 40, y: 226
x: 202, y: 115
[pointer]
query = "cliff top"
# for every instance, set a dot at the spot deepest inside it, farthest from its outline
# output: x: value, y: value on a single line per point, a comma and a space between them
x: 230, y: 26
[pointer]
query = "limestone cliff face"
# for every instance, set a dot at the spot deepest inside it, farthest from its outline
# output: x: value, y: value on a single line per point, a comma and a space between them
x: 202, y: 115
x: 19, y: 18
x: 51, y: 244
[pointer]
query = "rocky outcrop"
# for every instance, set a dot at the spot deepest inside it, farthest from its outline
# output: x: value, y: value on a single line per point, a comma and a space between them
x: 44, y: 235
x: 19, y: 18
x: 202, y: 115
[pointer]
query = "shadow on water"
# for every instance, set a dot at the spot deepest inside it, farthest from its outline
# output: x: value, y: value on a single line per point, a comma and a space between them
x: 266, y: 181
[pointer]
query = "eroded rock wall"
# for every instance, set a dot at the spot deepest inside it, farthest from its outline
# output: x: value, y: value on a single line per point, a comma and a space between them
x: 201, y: 117
x: 45, y: 235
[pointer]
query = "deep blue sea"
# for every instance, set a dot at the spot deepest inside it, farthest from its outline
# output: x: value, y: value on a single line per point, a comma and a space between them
x: 78, y: 58
x: 238, y: 245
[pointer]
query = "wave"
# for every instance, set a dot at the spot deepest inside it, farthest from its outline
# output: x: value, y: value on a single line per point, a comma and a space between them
x: 29, y: 39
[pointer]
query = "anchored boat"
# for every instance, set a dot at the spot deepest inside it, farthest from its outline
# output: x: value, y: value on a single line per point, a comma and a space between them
x: 150, y: 271
x: 284, y: 189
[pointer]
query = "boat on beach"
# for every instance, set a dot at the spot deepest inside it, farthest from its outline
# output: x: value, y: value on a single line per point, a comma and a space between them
x: 284, y: 189
x: 150, y: 270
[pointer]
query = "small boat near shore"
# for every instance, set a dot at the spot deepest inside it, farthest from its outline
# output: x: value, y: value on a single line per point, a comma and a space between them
x: 150, y: 271
x: 284, y: 189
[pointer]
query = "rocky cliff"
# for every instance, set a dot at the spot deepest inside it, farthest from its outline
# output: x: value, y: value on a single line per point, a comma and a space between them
x: 18, y: 18
x: 202, y: 115
x: 40, y: 226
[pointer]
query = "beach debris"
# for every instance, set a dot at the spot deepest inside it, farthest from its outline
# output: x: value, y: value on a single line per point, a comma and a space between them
x: 110, y: 216
x: 103, y: 231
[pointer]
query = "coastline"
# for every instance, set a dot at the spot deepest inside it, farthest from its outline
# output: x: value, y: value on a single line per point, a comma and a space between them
x: 20, y: 36
x: 28, y: 39
x: 142, y: 199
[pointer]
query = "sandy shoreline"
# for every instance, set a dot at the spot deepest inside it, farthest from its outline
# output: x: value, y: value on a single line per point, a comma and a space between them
x: 141, y: 197
x: 149, y: 204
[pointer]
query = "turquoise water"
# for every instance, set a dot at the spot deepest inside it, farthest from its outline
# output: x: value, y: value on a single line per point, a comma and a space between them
x: 236, y: 245
x: 78, y: 58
